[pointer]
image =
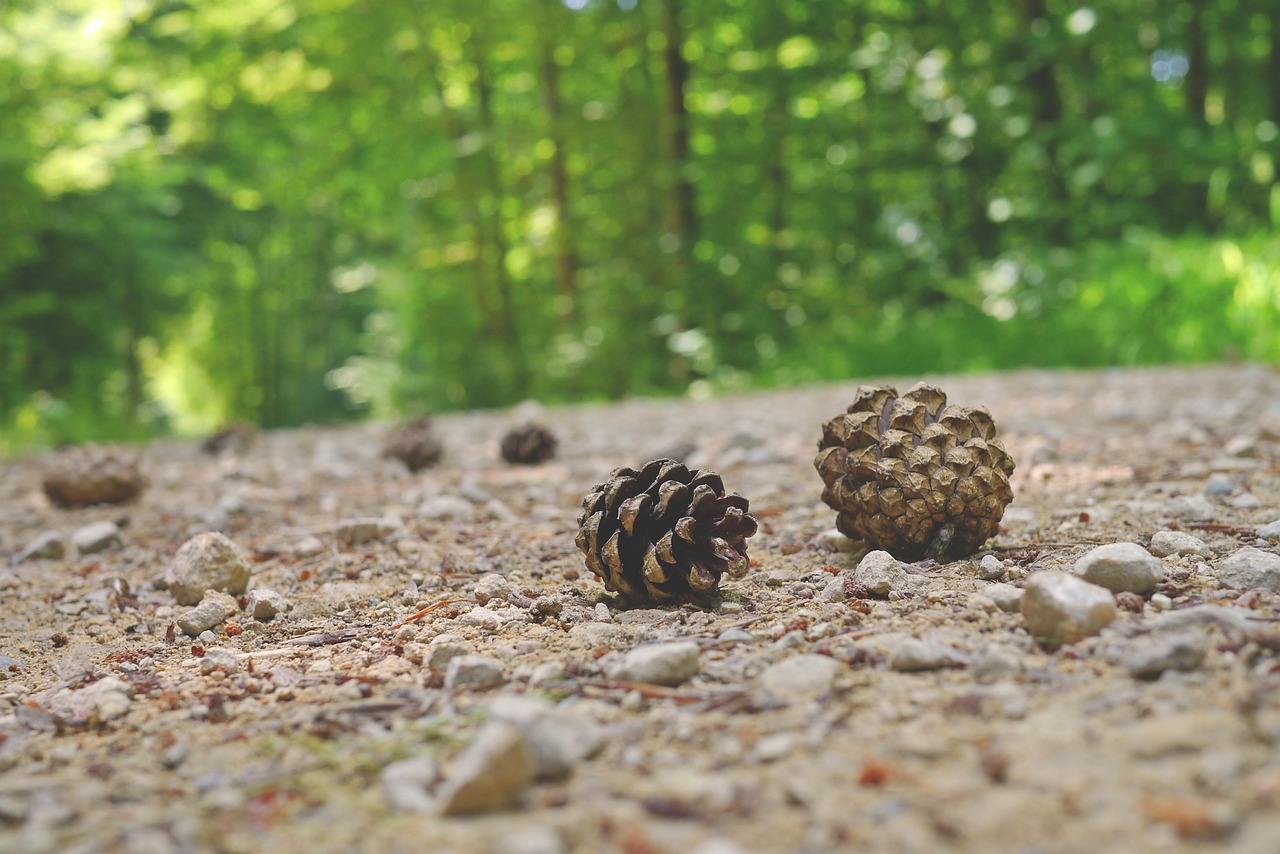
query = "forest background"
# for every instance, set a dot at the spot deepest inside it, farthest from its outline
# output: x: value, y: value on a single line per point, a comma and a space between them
x: 289, y: 211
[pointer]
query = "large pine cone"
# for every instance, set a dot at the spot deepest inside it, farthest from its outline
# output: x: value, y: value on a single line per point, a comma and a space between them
x: 664, y: 532
x: 92, y: 475
x: 529, y: 445
x: 913, y: 476
x: 415, y: 444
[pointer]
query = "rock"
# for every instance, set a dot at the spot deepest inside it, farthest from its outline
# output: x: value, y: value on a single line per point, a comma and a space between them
x: 104, y: 700
x: 444, y: 507
x: 366, y: 529
x: 881, y: 573
x: 833, y: 591
x: 407, y: 783
x: 1195, y: 508
x: 1157, y: 653
x: 659, y: 664
x: 490, y: 773
x: 1219, y: 484
x: 990, y: 568
x: 1161, y: 602
x: 1241, y: 446
x: 492, y: 586
x: 209, y: 613
x: 445, y: 648
x: 1270, y: 531
x: 912, y: 655
x: 833, y: 540
x: 1121, y: 567
x: 737, y: 636
x: 1245, y: 501
x: 208, y: 561
x: 265, y: 603
x: 1061, y: 608
x: 559, y: 738
x: 800, y: 677
x: 1007, y: 597
x: 1250, y: 569
x: 1224, y: 616
x: 1165, y: 543
x: 993, y: 663
x: 219, y: 658
x: 308, y: 546
x: 48, y: 546
x: 473, y: 671
x: 96, y: 537
x: 547, y: 671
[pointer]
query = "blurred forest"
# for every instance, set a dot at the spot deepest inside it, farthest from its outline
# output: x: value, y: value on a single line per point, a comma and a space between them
x: 292, y: 211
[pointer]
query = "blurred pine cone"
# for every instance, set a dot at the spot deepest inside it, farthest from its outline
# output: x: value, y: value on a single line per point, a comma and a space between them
x: 528, y: 444
x: 913, y: 476
x: 414, y: 444
x: 234, y: 438
x: 664, y: 532
x: 91, y: 475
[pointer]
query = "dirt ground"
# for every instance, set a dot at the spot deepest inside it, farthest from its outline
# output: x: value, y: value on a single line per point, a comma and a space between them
x: 807, y: 719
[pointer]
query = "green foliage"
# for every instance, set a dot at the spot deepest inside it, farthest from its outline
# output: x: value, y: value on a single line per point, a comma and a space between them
x: 290, y: 212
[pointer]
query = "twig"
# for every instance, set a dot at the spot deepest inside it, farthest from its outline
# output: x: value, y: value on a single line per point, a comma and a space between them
x: 648, y: 690
x: 412, y: 618
x: 1219, y: 528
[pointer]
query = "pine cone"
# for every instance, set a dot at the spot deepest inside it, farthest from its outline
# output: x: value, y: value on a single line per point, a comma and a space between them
x: 92, y: 475
x: 664, y: 532
x: 234, y: 438
x: 913, y: 476
x: 414, y: 444
x: 528, y: 445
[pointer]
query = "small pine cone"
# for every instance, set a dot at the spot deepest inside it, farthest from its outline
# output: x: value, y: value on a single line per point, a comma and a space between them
x: 92, y: 475
x: 913, y: 476
x: 414, y: 444
x: 664, y: 532
x: 528, y: 445
x: 234, y: 438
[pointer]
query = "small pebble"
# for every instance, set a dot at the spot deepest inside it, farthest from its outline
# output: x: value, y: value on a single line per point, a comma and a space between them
x: 1270, y: 531
x: 473, y: 671
x: 208, y: 561
x: 1161, y: 602
x: 1061, y: 608
x: 490, y: 773
x: 1250, y: 569
x: 993, y: 663
x: 491, y: 586
x: 659, y: 664
x: 1219, y: 484
x: 444, y: 507
x: 990, y: 568
x: 209, y: 613
x: 265, y: 603
x: 1245, y: 501
x: 1156, y: 653
x: 912, y: 655
x: 833, y: 591
x: 309, y: 546
x: 1007, y: 597
x: 96, y: 537
x: 445, y: 648
x: 881, y: 573
x: 1121, y: 567
x: 1165, y: 543
x: 48, y: 546
x: 1194, y: 508
x: 800, y: 677
x: 736, y: 636
x: 354, y: 532
x: 407, y: 783
x: 835, y: 541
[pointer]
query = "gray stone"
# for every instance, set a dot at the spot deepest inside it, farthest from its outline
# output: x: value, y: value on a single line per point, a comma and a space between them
x: 208, y: 561
x: 473, y: 671
x: 800, y: 677
x: 367, y: 529
x: 444, y: 507
x: 1219, y: 484
x: 96, y: 537
x: 1250, y: 569
x: 1195, y: 508
x: 265, y: 603
x: 659, y: 664
x: 835, y: 541
x: 559, y: 738
x: 1007, y: 597
x: 993, y: 663
x: 219, y: 658
x: 1121, y: 567
x: 104, y: 700
x: 990, y: 568
x: 308, y: 546
x: 490, y: 773
x: 492, y: 586
x: 1157, y: 653
x: 912, y: 655
x: 1061, y: 608
x: 881, y: 573
x: 1165, y: 543
x: 407, y: 784
x: 833, y: 591
x: 1245, y: 501
x: 736, y: 636
x: 209, y: 613
x: 1270, y: 531
x: 48, y: 546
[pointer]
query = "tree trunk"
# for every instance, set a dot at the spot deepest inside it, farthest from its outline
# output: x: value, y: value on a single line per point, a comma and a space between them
x: 566, y: 262
x: 1196, y: 86
x: 682, y: 213
x: 1042, y: 82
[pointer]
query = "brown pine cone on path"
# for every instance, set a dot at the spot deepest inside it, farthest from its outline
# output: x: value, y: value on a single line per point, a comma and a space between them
x: 529, y: 444
x: 415, y: 444
x: 91, y: 475
x: 912, y: 476
x: 664, y: 533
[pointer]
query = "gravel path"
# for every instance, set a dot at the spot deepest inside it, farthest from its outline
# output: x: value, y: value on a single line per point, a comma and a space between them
x: 828, y: 702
